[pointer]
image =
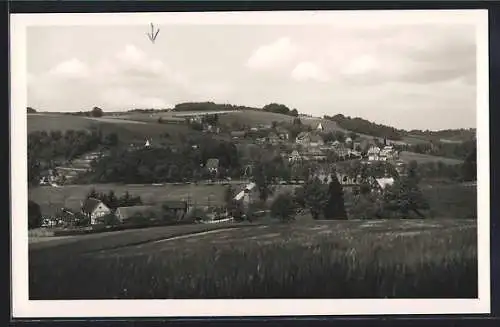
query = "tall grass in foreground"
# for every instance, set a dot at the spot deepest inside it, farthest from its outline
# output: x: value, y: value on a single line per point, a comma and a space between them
x: 437, y: 264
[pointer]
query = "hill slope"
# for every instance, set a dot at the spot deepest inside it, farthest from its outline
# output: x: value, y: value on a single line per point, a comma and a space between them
x: 127, y: 130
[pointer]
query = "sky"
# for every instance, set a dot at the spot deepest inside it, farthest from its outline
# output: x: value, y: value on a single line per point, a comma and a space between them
x: 408, y: 76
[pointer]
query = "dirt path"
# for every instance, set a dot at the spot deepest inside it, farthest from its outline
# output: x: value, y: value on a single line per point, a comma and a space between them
x: 196, y: 234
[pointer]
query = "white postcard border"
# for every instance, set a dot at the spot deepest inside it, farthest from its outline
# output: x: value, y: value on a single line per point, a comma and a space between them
x: 22, y: 307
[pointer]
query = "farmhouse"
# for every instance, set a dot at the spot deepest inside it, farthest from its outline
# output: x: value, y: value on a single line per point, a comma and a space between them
x: 319, y: 128
x: 94, y: 209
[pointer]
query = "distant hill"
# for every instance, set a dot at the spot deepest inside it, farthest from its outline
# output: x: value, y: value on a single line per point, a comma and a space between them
x: 237, y: 115
x: 363, y: 126
x: 30, y: 110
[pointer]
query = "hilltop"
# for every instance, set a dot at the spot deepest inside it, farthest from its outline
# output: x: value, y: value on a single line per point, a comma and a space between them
x: 239, y: 116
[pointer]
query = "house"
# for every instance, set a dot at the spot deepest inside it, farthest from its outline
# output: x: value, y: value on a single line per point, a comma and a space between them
x: 94, y: 209
x: 373, y: 153
x: 387, y: 153
x: 336, y: 143
x: 401, y: 168
x: 273, y: 138
x: 303, y: 138
x: 309, y: 139
x: 342, y: 151
x: 282, y: 133
x: 381, y: 184
x: 260, y: 140
x: 212, y: 165
x: 176, y: 209
x: 347, y: 180
x: 316, y: 140
x: 125, y: 213
x: 319, y: 128
x: 147, y: 144
x: 245, y: 195
x: 294, y: 156
x: 315, y: 154
x: 238, y: 134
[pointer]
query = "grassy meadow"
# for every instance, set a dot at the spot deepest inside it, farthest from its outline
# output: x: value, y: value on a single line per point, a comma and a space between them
x: 51, y: 198
x: 334, y: 259
x: 127, y: 130
x: 408, y: 156
x: 451, y: 201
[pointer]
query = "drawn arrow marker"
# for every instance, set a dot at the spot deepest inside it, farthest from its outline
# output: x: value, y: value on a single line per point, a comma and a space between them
x: 153, y: 34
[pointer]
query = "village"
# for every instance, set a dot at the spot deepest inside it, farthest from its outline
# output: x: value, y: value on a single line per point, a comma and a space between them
x: 310, y: 158
x: 307, y: 149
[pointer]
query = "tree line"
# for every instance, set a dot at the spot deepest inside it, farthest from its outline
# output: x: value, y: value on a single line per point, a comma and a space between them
x: 208, y: 106
x: 94, y: 112
x: 363, y: 126
x: 185, y: 162
x: 449, y: 150
x: 112, y: 201
x: 280, y: 109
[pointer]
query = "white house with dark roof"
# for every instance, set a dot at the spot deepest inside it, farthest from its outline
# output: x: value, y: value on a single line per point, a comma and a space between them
x: 94, y: 209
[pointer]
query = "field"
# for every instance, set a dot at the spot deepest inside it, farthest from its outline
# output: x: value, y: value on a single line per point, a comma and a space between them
x: 127, y: 130
x: 407, y: 156
x: 52, y: 122
x: 52, y: 198
x: 335, y: 259
x: 451, y: 201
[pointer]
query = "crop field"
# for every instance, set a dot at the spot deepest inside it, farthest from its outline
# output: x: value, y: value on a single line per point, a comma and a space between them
x: 71, y: 196
x: 320, y: 259
x: 407, y: 156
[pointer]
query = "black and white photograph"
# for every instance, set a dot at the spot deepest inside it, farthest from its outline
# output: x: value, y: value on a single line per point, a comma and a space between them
x: 250, y: 163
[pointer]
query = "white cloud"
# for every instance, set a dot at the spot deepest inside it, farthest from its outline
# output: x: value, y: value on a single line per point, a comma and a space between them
x: 274, y: 55
x: 72, y: 68
x: 308, y: 71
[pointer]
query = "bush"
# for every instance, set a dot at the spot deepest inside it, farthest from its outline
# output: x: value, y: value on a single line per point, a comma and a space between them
x: 34, y: 215
x: 365, y: 206
x: 283, y: 207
